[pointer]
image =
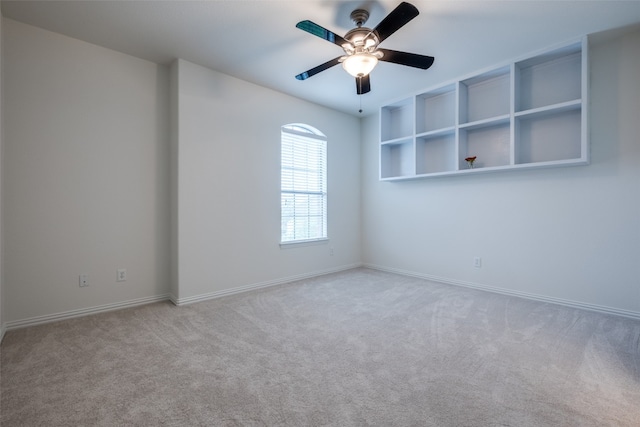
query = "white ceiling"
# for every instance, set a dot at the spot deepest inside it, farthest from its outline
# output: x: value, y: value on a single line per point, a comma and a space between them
x: 257, y: 41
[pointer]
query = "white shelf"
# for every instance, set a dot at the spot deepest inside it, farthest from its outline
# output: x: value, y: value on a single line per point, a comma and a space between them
x: 551, y: 109
x: 437, y: 132
x: 528, y: 113
x: 492, y: 121
x: 397, y: 141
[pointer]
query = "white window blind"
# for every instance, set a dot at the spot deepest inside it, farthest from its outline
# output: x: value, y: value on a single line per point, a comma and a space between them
x: 303, y: 184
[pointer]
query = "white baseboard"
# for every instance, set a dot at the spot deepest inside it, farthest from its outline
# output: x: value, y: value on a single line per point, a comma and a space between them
x: 530, y: 296
x: 240, y: 289
x: 7, y: 326
x: 38, y: 320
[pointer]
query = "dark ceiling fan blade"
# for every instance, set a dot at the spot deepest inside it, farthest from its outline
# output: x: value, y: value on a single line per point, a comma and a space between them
x: 323, y: 33
x: 395, y: 20
x: 363, y: 84
x: 315, y: 70
x: 409, y: 59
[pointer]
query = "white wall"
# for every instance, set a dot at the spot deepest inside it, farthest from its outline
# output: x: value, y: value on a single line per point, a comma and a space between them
x: 570, y: 234
x: 86, y: 155
x: 97, y: 144
x: 228, y: 183
x: 173, y: 179
x: 2, y: 324
x: 90, y: 159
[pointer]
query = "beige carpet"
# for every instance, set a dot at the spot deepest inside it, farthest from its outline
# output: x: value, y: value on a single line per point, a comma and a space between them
x: 356, y: 348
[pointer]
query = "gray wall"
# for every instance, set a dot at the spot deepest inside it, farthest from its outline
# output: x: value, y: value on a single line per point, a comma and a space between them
x: 86, y: 174
x: 2, y: 323
x: 228, y: 185
x: 104, y: 149
x: 113, y: 162
x: 566, y: 234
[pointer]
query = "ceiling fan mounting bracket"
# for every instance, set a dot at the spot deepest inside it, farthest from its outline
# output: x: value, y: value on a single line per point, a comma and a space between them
x: 359, y: 17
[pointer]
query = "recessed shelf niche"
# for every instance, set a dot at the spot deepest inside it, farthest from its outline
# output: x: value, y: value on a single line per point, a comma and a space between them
x: 528, y: 113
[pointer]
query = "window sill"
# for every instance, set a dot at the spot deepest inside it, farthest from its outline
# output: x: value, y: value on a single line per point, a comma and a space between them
x: 299, y: 243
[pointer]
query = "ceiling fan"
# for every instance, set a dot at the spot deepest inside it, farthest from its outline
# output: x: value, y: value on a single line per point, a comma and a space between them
x: 360, y: 45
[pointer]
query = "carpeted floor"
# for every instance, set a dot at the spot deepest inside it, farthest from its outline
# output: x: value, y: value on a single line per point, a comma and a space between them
x: 356, y: 348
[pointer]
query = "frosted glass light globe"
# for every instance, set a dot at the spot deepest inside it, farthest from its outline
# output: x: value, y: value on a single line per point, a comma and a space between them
x: 360, y: 64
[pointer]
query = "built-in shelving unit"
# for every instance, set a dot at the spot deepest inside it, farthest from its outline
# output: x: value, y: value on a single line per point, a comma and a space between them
x: 529, y: 113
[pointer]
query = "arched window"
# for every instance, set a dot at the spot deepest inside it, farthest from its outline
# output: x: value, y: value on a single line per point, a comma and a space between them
x: 303, y: 184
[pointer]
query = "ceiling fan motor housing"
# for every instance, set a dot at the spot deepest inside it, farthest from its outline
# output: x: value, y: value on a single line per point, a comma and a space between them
x: 360, y: 39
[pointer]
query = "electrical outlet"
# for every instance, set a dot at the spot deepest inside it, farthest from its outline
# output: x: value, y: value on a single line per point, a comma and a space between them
x: 83, y: 280
x: 477, y: 262
x: 121, y: 275
x: 331, y: 251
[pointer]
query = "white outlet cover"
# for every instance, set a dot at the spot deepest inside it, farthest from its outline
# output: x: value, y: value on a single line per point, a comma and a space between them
x: 83, y: 280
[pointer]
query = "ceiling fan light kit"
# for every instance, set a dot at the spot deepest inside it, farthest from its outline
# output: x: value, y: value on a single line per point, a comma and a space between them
x: 360, y: 45
x: 360, y: 65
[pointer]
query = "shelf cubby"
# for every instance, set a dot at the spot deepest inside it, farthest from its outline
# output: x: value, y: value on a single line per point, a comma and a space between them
x: 548, y: 79
x: 489, y: 144
x: 531, y: 112
x: 397, y: 159
x: 548, y: 137
x: 396, y: 120
x: 436, y: 110
x: 486, y: 95
x: 436, y: 153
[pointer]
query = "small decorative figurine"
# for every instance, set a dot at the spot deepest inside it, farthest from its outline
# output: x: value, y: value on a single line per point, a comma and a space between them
x: 470, y: 160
